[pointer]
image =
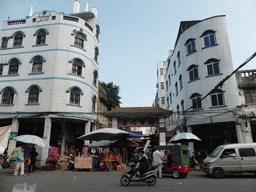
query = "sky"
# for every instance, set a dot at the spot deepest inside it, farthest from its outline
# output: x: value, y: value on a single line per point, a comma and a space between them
x: 137, y: 34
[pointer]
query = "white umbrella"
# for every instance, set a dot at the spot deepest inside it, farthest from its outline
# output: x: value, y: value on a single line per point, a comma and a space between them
x: 102, y: 143
x: 184, y: 137
x: 33, y: 140
x: 104, y: 134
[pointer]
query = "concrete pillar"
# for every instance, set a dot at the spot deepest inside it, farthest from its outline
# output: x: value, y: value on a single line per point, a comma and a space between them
x: 12, y: 143
x: 87, y: 130
x: 162, y: 131
x: 247, y: 132
x: 64, y: 136
x: 190, y: 144
x: 243, y: 131
x: 114, y: 122
x: 46, y: 137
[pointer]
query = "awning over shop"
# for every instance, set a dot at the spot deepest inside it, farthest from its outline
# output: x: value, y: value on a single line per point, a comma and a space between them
x: 4, y: 136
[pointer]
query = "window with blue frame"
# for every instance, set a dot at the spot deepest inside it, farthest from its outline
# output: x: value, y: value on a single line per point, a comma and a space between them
x: 75, y: 96
x: 196, y: 101
x: 40, y: 38
x: 77, y: 67
x: 79, y: 40
x: 213, y: 67
x: 191, y: 46
x: 7, y: 98
x: 4, y: 42
x: 18, y: 38
x: 209, y: 38
x: 13, y: 67
x: 193, y: 72
x: 1, y: 70
x: 217, y: 98
x: 37, y: 65
x: 33, y: 96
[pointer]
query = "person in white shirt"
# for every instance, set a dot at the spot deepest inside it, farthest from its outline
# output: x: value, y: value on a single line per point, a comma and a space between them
x: 157, y: 161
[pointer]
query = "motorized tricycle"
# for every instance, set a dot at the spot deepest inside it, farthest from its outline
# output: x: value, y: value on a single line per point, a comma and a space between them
x: 177, y: 160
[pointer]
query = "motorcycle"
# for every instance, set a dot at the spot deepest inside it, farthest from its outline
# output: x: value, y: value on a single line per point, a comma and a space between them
x: 129, y: 176
x: 4, y: 161
x: 71, y: 163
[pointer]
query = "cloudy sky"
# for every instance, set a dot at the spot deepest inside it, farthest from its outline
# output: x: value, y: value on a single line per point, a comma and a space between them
x: 137, y: 34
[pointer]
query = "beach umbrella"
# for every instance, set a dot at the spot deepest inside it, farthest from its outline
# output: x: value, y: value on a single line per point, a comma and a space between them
x: 32, y: 139
x: 105, y: 134
x: 184, y: 137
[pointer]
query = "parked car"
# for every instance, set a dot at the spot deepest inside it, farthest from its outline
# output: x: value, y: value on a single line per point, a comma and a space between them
x: 231, y: 158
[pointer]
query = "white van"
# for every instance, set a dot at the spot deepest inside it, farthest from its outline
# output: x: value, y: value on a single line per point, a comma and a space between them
x: 231, y: 158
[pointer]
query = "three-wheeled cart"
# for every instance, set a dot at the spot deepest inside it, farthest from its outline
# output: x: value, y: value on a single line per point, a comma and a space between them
x: 84, y: 162
x: 177, y: 161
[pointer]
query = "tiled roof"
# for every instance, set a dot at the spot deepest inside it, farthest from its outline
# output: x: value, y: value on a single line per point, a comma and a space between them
x: 138, y: 111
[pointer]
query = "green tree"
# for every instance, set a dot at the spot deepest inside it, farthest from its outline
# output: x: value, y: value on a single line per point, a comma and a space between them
x: 112, y: 94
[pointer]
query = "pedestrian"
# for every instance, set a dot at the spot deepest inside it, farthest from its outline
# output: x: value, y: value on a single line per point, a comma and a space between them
x: 33, y: 154
x: 157, y: 161
x: 20, y: 163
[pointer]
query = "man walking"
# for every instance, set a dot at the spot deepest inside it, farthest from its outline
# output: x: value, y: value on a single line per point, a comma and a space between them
x: 20, y: 163
x: 157, y: 161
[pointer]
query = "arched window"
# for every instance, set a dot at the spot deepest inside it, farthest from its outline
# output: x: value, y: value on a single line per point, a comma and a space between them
x: 166, y: 84
x: 96, y: 54
x: 176, y: 88
x: 169, y: 78
x: 217, y: 97
x: 182, y: 107
x: 7, y: 98
x: 209, y: 38
x: 178, y: 56
x: 212, y: 66
x: 75, y: 96
x: 18, y: 38
x: 180, y: 79
x: 79, y: 39
x: 13, y: 66
x: 178, y: 111
x: 41, y: 36
x: 174, y: 67
x: 170, y: 98
x: 191, y: 46
x: 37, y: 64
x: 1, y: 69
x: 94, y: 101
x: 77, y: 67
x: 193, y: 72
x: 196, y: 101
x: 97, y: 32
x: 95, y: 77
x: 4, y: 42
x: 33, y: 96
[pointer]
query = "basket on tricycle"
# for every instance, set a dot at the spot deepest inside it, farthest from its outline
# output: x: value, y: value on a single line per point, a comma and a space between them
x: 176, y: 160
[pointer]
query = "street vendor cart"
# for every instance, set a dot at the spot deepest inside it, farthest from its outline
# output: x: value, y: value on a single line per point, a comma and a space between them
x: 86, y: 162
x: 177, y: 161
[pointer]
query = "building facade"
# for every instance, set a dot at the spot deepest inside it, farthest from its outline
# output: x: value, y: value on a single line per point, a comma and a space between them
x: 200, y: 60
x: 49, y: 66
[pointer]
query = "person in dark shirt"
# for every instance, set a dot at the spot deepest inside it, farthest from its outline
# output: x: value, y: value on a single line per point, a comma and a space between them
x: 32, y: 154
x: 143, y: 164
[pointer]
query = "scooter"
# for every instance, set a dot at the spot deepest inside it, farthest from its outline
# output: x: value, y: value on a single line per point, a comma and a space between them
x: 71, y: 163
x: 128, y: 176
x: 4, y: 162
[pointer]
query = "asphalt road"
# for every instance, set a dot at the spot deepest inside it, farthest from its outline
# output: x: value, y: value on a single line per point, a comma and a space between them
x: 64, y: 180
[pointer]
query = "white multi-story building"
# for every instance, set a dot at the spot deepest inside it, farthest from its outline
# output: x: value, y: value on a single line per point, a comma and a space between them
x: 49, y: 70
x: 200, y: 60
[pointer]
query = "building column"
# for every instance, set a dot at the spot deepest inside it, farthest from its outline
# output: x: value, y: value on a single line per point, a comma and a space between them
x: 12, y: 143
x: 162, y: 132
x: 114, y: 123
x: 46, y: 137
x: 64, y: 136
x: 190, y: 144
x: 87, y: 130
x: 243, y: 131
